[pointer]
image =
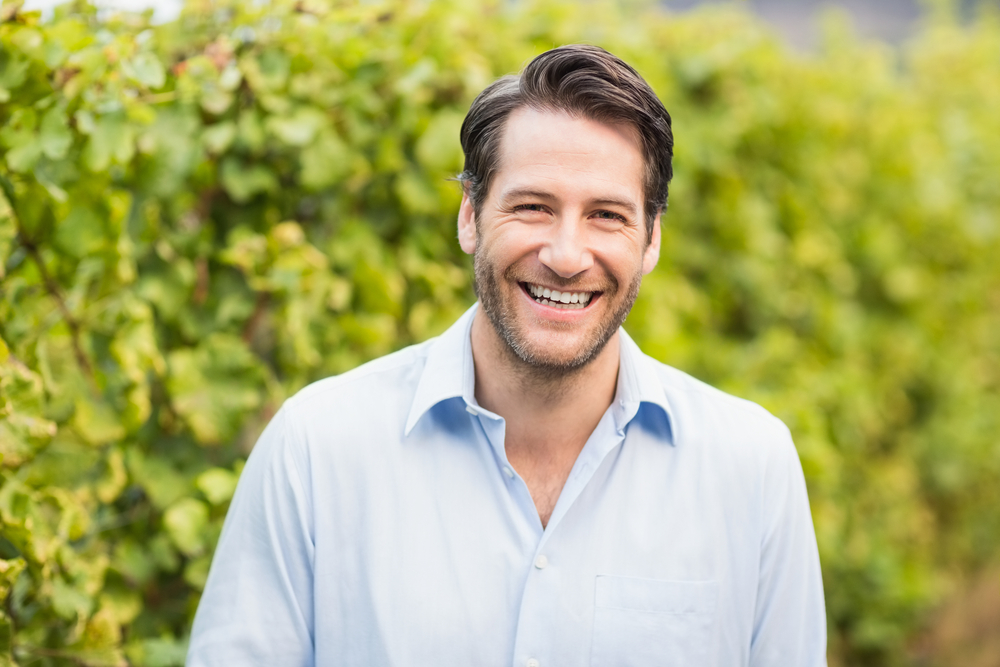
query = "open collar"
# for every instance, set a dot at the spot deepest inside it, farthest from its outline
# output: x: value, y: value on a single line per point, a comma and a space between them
x: 638, y: 383
x: 449, y: 373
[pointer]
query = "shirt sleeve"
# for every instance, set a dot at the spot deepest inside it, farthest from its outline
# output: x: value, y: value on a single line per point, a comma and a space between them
x: 257, y: 607
x: 790, y: 618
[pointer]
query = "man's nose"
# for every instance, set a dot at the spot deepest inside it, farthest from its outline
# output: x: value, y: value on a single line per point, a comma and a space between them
x: 566, y: 251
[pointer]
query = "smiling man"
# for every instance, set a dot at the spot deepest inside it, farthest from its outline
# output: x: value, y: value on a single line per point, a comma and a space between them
x: 529, y: 489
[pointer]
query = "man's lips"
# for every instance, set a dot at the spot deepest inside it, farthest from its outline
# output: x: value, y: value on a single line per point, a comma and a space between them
x: 563, y: 300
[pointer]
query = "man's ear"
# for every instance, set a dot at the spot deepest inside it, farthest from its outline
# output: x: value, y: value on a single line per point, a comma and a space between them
x: 652, y: 253
x: 467, y: 225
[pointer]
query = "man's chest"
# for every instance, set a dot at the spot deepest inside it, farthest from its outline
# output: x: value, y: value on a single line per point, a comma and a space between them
x: 435, y: 555
x: 544, y: 475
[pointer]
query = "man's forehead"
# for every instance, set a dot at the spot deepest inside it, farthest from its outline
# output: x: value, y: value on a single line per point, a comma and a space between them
x: 536, y: 135
x: 514, y: 125
x: 607, y: 171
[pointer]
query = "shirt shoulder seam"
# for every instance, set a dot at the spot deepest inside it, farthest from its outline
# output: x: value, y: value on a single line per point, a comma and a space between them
x: 408, y: 356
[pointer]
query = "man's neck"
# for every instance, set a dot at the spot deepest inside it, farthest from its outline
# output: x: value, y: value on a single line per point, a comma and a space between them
x: 549, y: 416
x: 518, y: 392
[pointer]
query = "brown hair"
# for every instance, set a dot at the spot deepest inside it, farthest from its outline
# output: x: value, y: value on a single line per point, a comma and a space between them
x: 577, y: 79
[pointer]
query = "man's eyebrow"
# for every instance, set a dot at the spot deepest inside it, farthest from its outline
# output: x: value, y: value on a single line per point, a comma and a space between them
x: 528, y: 193
x: 525, y: 193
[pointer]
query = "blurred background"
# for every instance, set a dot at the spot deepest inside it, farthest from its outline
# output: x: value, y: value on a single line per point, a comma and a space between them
x: 207, y: 205
x: 797, y: 21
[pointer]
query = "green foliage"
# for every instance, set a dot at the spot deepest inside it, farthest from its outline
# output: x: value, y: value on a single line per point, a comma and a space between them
x: 201, y: 217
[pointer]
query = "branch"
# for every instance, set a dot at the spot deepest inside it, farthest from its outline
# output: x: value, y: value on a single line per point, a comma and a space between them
x: 51, y: 286
x: 257, y: 317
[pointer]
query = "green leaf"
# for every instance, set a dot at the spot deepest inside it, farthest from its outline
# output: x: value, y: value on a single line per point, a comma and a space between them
x: 23, y: 157
x: 8, y: 233
x: 70, y: 602
x: 269, y: 71
x: 146, y: 70
x: 298, y: 129
x: 81, y: 233
x: 18, y: 134
x: 56, y: 137
x: 99, y: 646
x: 133, y: 562
x: 324, y: 161
x: 218, y: 485
x: 158, y: 652
x: 122, y: 602
x: 242, y: 182
x: 196, y: 572
x: 161, y: 482
x: 13, y: 73
x: 112, y: 138
x: 113, y: 482
x: 416, y: 193
x: 217, y: 138
x: 96, y: 422
x: 6, y: 640
x: 186, y: 521
x: 250, y: 130
x: 213, y: 387
x: 23, y: 429
x: 10, y: 570
x: 215, y: 100
x: 438, y: 148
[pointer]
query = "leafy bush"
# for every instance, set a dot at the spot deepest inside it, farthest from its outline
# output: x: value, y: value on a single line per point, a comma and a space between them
x: 201, y: 217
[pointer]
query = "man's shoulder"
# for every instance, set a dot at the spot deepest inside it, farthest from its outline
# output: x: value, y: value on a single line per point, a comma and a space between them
x: 706, y: 412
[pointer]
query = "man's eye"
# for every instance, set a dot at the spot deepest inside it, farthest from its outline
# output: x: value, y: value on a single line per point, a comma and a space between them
x: 609, y: 215
x: 529, y: 207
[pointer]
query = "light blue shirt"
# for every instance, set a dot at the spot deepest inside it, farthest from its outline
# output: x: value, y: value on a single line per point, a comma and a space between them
x: 378, y: 523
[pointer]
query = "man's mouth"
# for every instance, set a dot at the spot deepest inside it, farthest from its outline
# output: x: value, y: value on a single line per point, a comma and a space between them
x: 557, y: 299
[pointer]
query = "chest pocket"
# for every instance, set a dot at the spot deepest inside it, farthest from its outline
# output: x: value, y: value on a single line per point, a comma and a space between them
x: 652, y: 622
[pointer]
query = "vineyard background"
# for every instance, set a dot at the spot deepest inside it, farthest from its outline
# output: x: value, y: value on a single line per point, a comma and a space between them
x: 200, y: 217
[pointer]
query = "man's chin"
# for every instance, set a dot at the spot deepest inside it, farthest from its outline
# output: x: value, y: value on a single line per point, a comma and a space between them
x: 554, y: 357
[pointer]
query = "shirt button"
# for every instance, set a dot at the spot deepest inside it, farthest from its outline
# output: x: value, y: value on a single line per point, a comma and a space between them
x: 507, y: 471
x: 533, y: 663
x: 541, y: 562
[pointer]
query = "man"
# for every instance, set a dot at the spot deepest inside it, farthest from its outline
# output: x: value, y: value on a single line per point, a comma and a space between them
x: 528, y: 489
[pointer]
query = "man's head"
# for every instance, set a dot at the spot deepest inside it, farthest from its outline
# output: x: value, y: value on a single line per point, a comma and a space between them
x: 566, y: 174
x: 583, y: 81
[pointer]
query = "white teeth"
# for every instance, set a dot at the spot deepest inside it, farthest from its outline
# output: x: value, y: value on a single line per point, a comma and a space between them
x: 561, y: 306
x: 557, y: 299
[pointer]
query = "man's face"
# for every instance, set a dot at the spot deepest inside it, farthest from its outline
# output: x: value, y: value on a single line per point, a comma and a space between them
x: 564, y: 215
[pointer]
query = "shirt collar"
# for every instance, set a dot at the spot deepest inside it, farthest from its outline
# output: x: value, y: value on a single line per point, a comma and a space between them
x: 639, y: 383
x: 449, y: 373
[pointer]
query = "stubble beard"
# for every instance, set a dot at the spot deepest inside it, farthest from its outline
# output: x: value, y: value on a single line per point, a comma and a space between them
x: 501, y: 315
